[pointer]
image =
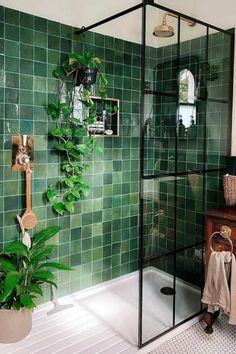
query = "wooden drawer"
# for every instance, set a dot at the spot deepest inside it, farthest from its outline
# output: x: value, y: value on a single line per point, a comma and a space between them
x: 215, y: 219
x: 218, y: 223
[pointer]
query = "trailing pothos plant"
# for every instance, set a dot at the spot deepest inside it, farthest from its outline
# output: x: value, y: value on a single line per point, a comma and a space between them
x: 23, y: 270
x: 75, y: 140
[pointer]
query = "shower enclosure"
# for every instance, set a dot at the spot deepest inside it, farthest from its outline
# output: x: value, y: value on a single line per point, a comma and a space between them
x: 174, y: 81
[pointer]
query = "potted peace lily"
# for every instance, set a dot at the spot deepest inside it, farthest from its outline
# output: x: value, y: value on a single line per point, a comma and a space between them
x: 23, y: 272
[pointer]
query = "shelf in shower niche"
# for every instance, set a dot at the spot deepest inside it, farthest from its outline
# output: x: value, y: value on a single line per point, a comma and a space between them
x: 107, y: 121
x: 160, y: 93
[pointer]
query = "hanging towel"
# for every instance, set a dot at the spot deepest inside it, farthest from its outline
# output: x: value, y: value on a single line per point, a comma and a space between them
x: 216, y: 291
x: 232, y: 316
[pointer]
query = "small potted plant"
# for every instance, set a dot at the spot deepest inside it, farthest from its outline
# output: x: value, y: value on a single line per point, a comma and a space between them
x: 23, y: 271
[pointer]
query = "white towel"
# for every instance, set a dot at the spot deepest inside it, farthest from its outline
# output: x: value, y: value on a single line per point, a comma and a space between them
x: 216, y: 291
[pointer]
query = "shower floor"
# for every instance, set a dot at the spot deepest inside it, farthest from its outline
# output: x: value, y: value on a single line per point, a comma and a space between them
x: 104, y: 318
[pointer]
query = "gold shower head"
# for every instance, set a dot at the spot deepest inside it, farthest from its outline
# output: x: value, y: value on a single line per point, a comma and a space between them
x: 165, y: 30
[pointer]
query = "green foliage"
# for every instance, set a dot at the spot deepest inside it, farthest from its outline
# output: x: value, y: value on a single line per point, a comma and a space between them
x: 23, y: 271
x: 75, y: 141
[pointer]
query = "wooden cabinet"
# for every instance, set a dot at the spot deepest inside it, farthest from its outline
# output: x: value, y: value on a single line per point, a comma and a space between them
x: 215, y: 219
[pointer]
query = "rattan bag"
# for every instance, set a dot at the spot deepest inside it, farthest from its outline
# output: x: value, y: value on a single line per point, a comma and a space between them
x: 230, y: 189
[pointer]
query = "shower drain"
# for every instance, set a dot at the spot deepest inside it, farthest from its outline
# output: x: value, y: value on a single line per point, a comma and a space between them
x: 167, y: 290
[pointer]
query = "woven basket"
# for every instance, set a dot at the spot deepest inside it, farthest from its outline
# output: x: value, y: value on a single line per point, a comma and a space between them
x: 230, y: 189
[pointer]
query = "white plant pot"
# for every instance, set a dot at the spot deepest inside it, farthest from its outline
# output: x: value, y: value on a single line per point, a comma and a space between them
x: 14, y: 325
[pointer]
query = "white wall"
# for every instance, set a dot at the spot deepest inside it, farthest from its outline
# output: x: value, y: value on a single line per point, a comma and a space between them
x: 82, y: 13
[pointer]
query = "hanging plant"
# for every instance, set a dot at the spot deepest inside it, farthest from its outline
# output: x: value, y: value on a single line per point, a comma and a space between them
x: 73, y: 112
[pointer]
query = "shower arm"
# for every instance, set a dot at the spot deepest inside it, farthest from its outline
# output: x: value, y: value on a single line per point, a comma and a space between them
x: 190, y: 22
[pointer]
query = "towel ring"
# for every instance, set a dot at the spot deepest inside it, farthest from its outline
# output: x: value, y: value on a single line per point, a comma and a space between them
x: 224, y: 232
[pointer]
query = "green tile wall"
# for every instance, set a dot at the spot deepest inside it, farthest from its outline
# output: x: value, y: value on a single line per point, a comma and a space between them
x: 101, y: 238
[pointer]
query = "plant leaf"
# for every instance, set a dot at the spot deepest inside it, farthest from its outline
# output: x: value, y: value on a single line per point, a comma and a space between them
x: 59, y: 208
x: 9, y: 284
x: 57, y: 132
x: 82, y: 148
x: 40, y: 253
x: 46, y: 234
x: 16, y: 305
x: 73, y: 58
x: 69, y: 183
x: 70, y: 206
x: 61, y: 147
x: 6, y: 265
x: 59, y: 73
x: 75, y: 192
x: 27, y: 301
x: 67, y: 132
x: 77, y: 133
x: 34, y: 289
x: 85, y: 189
x: 56, y: 265
x: 51, y: 194
x: 44, y: 275
x: 16, y: 247
x: 69, y: 145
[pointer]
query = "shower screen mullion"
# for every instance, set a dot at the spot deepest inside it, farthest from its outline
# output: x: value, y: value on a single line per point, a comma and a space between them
x: 141, y: 206
x: 176, y: 164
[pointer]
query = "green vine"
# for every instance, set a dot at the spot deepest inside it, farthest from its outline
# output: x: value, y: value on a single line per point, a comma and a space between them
x: 75, y: 140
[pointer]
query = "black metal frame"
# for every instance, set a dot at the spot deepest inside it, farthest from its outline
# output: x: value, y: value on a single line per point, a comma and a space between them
x: 144, y: 92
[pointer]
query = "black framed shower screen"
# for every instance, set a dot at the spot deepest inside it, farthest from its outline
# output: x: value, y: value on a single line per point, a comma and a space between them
x: 180, y: 176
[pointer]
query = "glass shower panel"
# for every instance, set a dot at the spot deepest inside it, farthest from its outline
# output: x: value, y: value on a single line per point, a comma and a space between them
x: 159, y: 135
x: 157, y: 310
x: 158, y: 213
x: 191, y: 114
x: 189, y: 280
x: 189, y: 210
x: 219, y: 65
x: 217, y: 132
x: 160, y: 53
x: 214, y: 182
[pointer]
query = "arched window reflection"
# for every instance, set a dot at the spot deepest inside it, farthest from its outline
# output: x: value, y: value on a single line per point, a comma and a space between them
x: 187, y: 107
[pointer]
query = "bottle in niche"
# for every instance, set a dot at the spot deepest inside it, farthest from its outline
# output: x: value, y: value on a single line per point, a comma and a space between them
x: 192, y: 130
x: 181, y: 128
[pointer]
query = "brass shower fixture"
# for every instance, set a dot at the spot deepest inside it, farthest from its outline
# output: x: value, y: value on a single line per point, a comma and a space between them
x: 165, y: 30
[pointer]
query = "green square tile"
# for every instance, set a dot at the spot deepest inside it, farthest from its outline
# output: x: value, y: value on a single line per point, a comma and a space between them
x: 40, y: 39
x: 26, y: 67
x: 11, y: 95
x: 40, y: 54
x: 11, y: 80
x: 26, y: 51
x: 53, y: 42
x: 26, y: 97
x: 41, y: 24
x: 11, y: 64
x: 26, y: 20
x: 26, y: 82
x: 12, y: 16
x: 26, y: 36
x: 40, y: 69
x: 54, y: 28
x: 11, y: 48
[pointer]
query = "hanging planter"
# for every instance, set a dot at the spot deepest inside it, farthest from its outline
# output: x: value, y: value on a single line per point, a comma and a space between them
x: 86, y: 76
